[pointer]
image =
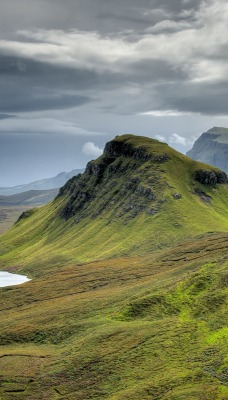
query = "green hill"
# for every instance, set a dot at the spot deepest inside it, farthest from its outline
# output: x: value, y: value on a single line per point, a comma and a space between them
x: 128, y: 297
x: 138, y: 196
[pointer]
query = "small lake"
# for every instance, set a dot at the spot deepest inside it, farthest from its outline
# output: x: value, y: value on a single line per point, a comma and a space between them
x: 8, y: 279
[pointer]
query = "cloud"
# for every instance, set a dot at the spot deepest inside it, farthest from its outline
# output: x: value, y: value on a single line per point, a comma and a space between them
x: 161, y: 138
x: 90, y: 149
x: 44, y: 126
x: 6, y: 116
x: 175, y: 138
x: 164, y: 113
x: 176, y: 56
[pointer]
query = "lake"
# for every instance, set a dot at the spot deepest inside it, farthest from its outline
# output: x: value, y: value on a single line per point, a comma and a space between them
x: 8, y: 279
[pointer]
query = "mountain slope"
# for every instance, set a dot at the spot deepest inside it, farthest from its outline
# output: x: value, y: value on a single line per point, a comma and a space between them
x: 138, y: 196
x: 43, y: 184
x: 212, y: 148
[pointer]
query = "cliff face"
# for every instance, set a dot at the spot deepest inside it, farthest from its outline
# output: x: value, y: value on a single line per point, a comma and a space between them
x: 212, y: 148
x: 118, y: 179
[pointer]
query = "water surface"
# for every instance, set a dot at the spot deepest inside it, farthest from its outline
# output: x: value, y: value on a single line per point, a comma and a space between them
x: 8, y: 279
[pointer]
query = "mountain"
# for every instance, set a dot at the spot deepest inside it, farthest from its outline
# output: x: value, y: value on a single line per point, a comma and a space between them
x: 128, y: 296
x: 43, y: 184
x: 140, y: 195
x: 212, y: 148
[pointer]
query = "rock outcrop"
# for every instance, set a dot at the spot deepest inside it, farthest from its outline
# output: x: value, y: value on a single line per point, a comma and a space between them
x: 117, y: 148
x: 207, y: 177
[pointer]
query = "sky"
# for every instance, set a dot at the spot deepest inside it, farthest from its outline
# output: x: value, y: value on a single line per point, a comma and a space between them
x: 76, y: 73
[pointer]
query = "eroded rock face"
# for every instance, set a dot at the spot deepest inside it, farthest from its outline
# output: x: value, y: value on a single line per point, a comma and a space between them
x: 117, y: 149
x: 120, y: 179
x: 207, y: 177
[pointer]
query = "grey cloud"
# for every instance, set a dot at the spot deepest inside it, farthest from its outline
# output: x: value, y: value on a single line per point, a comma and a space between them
x: 19, y: 97
x: 27, y: 85
x: 6, y: 116
x: 90, y: 15
x: 115, y: 68
x: 31, y: 102
x: 202, y: 98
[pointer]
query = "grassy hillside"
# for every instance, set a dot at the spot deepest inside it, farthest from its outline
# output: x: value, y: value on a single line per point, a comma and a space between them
x: 140, y: 195
x: 128, y: 297
x: 141, y: 328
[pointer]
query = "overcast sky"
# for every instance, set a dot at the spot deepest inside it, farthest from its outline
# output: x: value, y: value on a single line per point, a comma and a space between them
x: 75, y: 73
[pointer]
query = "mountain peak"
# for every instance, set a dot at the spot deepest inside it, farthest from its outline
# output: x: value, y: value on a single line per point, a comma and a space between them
x: 136, y: 147
x: 134, y: 176
x: 219, y: 130
x: 212, y: 148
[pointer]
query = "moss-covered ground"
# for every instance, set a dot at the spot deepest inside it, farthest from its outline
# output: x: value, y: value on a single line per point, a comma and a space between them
x: 151, y: 327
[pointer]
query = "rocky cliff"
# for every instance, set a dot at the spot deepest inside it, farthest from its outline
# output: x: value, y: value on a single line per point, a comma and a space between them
x: 212, y: 148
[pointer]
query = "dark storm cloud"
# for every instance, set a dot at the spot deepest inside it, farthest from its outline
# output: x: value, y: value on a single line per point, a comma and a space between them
x: 26, y: 101
x: 207, y: 99
x: 27, y: 85
x: 99, y: 15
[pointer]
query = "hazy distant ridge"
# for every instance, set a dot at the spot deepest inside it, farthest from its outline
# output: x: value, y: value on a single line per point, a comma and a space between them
x: 43, y: 184
x: 212, y: 148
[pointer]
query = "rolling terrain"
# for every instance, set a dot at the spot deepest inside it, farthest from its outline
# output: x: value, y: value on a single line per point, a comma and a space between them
x: 128, y: 298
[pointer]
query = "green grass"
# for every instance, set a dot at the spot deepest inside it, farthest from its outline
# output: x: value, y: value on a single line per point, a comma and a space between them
x: 9, y: 215
x: 122, y: 304
x: 143, y: 327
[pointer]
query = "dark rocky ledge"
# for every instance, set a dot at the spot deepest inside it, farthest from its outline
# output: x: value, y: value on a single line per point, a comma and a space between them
x: 117, y: 148
x: 207, y: 177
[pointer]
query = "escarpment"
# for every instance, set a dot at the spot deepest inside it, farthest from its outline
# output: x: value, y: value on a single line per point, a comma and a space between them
x: 124, y: 181
x: 117, y: 148
x: 133, y: 176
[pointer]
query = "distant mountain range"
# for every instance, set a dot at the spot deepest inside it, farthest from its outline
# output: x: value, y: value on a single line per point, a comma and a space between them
x: 30, y: 197
x: 212, y: 148
x: 43, y: 184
